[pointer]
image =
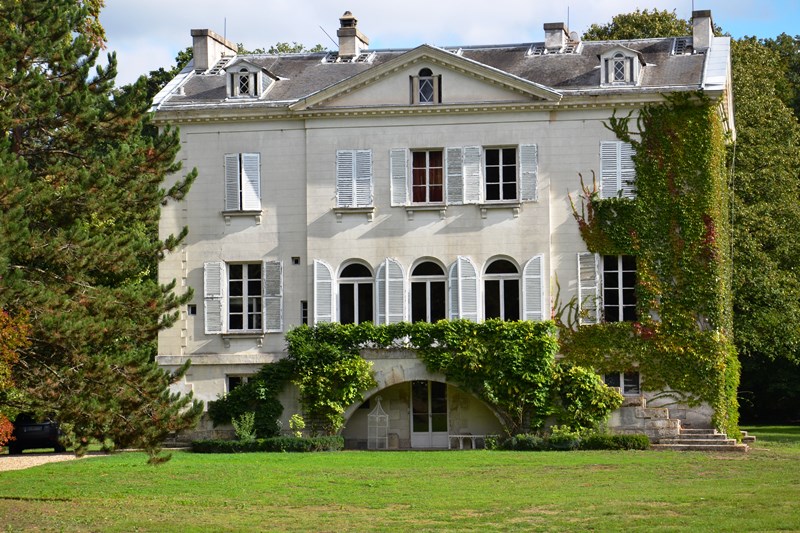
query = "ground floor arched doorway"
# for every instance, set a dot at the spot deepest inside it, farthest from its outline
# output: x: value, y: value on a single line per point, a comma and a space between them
x: 423, y: 415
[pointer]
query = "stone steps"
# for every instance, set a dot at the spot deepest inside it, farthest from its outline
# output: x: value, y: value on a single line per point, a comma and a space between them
x: 701, y: 440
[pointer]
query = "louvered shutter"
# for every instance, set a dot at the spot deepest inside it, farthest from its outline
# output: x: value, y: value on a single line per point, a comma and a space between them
x: 273, y: 296
x: 232, y: 189
x: 588, y: 289
x: 533, y: 289
x: 528, y: 172
x: 398, y: 169
x: 472, y: 174
x: 251, y: 182
x: 627, y: 170
x: 609, y: 169
x: 323, y: 292
x: 463, y: 289
x: 454, y: 162
x: 363, y: 182
x: 390, y: 284
x: 214, y: 296
x: 345, y: 168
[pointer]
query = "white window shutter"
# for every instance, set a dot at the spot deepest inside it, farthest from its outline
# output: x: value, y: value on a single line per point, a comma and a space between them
x: 273, y: 296
x: 390, y: 285
x: 214, y: 296
x: 472, y: 174
x: 232, y: 189
x: 528, y: 172
x: 345, y: 169
x: 627, y: 170
x: 363, y: 183
x: 609, y: 169
x: 398, y: 163
x: 251, y: 182
x: 533, y: 289
x: 454, y: 162
x: 323, y: 292
x: 463, y: 289
x: 588, y: 288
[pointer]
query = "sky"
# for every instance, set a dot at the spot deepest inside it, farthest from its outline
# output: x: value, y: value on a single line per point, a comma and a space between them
x: 147, y: 34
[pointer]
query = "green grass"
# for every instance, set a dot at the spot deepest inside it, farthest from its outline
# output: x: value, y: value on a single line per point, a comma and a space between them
x: 423, y: 491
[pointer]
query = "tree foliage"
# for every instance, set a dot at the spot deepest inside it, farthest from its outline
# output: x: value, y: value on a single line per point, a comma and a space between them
x: 280, y: 48
x: 79, y: 205
x: 640, y: 25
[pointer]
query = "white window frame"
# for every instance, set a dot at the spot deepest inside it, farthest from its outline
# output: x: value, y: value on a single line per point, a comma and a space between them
x: 500, y: 166
x: 502, y: 278
x: 621, y: 288
x: 247, y: 300
x: 242, y: 182
x: 624, y: 388
x: 217, y: 298
x: 426, y: 88
x: 427, y: 170
x: 427, y: 281
x: 357, y: 282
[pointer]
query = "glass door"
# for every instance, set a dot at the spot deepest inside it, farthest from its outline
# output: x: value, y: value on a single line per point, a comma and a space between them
x: 428, y: 414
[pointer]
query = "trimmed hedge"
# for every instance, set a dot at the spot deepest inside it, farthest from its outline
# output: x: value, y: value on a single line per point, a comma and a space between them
x: 600, y: 441
x: 596, y: 441
x: 272, y: 444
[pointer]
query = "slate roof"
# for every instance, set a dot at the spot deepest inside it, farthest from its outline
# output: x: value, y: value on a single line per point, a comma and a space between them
x: 301, y: 75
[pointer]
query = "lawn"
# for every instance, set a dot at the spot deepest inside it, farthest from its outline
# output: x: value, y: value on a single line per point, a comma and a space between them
x: 401, y: 491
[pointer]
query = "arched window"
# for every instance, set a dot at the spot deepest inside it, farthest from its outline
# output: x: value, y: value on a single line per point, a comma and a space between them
x: 428, y: 293
x: 501, y: 290
x: 355, y: 294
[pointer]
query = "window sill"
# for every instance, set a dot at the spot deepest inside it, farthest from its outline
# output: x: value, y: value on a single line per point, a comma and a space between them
x: 244, y: 335
x: 411, y: 209
x: 341, y: 211
x: 256, y: 214
x: 514, y: 206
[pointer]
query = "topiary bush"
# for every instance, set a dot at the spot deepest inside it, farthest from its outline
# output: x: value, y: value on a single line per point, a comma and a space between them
x: 605, y: 441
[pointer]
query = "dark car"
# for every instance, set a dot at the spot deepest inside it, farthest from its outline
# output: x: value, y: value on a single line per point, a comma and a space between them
x: 28, y: 434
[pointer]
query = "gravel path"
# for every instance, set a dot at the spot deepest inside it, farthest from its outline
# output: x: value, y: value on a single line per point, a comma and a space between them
x: 28, y: 460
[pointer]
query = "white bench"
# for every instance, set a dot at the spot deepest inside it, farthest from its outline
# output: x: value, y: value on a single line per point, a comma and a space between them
x: 461, y: 437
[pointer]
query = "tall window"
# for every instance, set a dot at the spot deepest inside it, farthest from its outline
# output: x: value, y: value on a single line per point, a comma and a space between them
x: 244, y: 296
x: 501, y: 291
x: 501, y: 173
x: 619, y: 288
x: 355, y: 295
x: 427, y: 182
x: 427, y: 293
x: 243, y: 182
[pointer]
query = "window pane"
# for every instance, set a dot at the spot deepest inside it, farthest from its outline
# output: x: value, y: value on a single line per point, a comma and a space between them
x: 236, y: 305
x: 356, y: 271
x: 254, y: 271
x: 610, y: 280
x: 509, y: 156
x: 610, y: 263
x: 511, y: 299
x: 435, y: 158
x: 510, y: 191
x: 628, y: 262
x: 629, y: 314
x: 491, y: 298
x: 235, y: 288
x: 492, y: 157
x: 492, y: 192
x: 611, y: 313
x: 439, y: 422
x: 346, y: 303
x: 235, y: 322
x: 611, y: 297
x: 254, y: 287
x: 612, y: 380
x: 436, y: 193
x: 501, y: 266
x: 235, y: 271
x: 428, y: 268
x: 365, y: 302
x: 629, y: 297
x: 631, y: 383
x: 419, y: 305
x: 420, y: 423
x: 437, y: 301
x: 629, y: 279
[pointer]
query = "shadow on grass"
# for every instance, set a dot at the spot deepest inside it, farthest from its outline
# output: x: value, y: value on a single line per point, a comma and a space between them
x: 785, y: 435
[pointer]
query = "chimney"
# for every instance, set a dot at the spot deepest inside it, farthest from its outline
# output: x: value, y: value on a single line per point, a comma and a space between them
x: 351, y: 41
x: 208, y: 48
x: 555, y: 35
x: 702, y: 30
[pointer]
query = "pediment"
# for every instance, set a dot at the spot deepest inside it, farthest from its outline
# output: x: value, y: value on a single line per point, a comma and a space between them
x: 459, y: 81
x: 240, y: 63
x: 624, y: 50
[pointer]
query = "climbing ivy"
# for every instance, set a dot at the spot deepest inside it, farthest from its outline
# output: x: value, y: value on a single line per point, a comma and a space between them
x: 678, y: 229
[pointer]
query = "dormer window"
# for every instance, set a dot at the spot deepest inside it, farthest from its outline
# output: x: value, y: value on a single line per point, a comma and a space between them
x: 243, y: 83
x: 426, y: 88
x: 620, y: 67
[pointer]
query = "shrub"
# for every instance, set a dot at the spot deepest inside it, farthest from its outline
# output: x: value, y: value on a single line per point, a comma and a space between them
x: 563, y: 438
x: 605, y: 441
x: 272, y: 444
x: 244, y: 426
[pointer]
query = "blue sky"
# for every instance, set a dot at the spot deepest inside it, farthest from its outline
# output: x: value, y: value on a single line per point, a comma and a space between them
x: 147, y: 34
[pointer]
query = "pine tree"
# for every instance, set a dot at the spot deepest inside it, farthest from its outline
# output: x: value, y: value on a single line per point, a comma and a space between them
x: 80, y: 194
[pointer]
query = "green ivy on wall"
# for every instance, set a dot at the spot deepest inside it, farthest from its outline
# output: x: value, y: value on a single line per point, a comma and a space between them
x: 678, y: 229
x: 509, y: 365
